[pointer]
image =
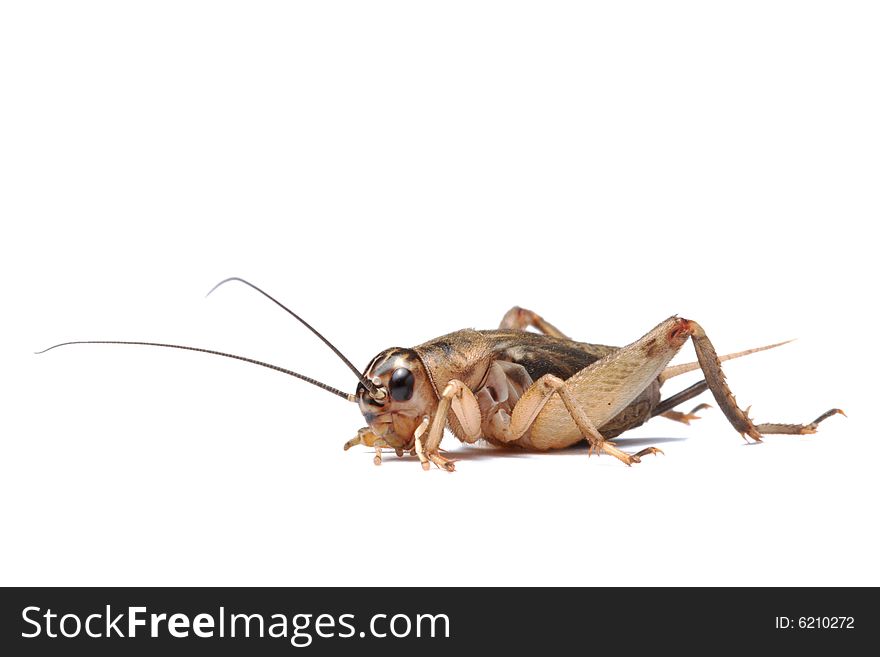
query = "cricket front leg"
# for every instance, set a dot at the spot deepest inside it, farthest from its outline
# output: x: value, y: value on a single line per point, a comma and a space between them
x: 711, y: 366
x: 464, y: 405
x: 368, y: 438
x: 520, y: 319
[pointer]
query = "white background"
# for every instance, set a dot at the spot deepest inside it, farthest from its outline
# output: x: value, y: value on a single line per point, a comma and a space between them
x: 395, y: 171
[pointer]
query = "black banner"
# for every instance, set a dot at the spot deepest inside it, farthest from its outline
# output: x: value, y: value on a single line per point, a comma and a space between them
x: 431, y: 620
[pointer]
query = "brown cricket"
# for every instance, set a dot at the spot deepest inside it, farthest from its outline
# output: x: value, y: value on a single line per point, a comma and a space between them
x: 517, y: 388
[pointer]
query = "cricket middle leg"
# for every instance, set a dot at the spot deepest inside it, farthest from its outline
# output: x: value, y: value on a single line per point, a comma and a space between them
x: 534, y: 403
x: 520, y: 319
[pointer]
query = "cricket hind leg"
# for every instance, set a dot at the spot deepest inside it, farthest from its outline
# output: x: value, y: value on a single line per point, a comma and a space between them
x: 686, y: 418
x: 666, y: 406
x: 520, y: 319
x: 717, y: 383
x: 798, y: 429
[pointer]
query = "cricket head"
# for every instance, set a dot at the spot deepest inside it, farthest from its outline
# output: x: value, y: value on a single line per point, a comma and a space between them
x: 402, y: 397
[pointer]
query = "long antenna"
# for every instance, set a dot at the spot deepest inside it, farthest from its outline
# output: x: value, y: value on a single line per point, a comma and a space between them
x: 307, y: 379
x: 375, y: 391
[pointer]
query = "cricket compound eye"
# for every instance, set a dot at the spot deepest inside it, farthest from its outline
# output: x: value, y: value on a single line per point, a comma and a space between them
x: 402, y: 383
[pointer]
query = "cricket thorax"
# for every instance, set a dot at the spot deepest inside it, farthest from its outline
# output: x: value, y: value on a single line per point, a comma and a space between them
x: 408, y: 397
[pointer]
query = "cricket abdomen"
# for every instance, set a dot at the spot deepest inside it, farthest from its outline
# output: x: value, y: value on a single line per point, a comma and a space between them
x: 636, y: 414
